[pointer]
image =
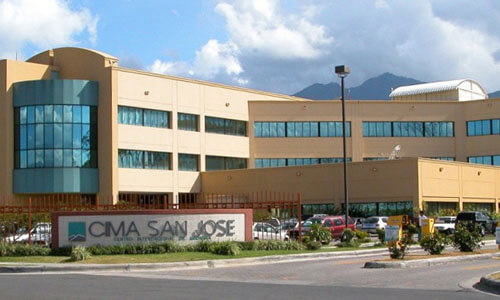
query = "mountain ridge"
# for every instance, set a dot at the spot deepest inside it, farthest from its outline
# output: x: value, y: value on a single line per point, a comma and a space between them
x: 375, y: 88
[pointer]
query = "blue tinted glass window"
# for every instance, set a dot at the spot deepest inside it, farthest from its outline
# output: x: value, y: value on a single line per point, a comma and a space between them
x: 53, y: 128
x: 486, y: 127
x: 31, y: 115
x: 68, y: 114
x: 419, y: 129
x: 332, y: 129
x: 39, y: 136
x: 77, y: 114
x: 495, y: 126
x: 306, y: 129
x: 281, y: 129
x: 58, y: 158
x: 49, y: 158
x: 23, y: 118
x: 450, y: 131
x: 487, y: 160
x: 411, y: 129
x: 31, y: 137
x: 39, y: 113
x: 314, y: 129
x: 366, y: 129
x: 298, y: 129
x: 496, y: 160
x: 471, y: 128
x: 397, y: 128
x: 348, y: 128
x: 273, y: 129
x: 265, y: 129
x: 58, y: 113
x: 257, y: 129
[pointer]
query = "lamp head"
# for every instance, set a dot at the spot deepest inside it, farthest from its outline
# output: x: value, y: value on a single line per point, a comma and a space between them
x: 342, y: 71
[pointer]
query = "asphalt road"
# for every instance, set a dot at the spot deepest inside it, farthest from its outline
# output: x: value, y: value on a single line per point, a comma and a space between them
x: 324, y: 279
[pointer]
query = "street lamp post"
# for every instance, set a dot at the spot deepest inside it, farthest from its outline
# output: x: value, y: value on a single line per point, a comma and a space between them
x: 342, y: 72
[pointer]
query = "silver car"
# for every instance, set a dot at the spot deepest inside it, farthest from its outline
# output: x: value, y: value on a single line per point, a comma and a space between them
x: 371, y: 224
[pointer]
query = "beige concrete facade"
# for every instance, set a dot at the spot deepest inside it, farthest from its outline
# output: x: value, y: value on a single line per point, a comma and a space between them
x: 413, y: 180
x: 417, y: 180
x: 460, y: 146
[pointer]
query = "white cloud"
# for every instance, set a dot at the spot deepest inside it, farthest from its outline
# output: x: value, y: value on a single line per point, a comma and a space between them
x: 43, y: 24
x: 277, y: 46
x: 170, y: 68
x: 257, y: 26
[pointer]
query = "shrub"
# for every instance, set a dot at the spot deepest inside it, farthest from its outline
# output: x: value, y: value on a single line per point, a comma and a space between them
x: 204, y: 246
x: 7, y: 249
x: 63, y: 251
x: 249, y: 246
x: 226, y: 248
x: 465, y: 240
x: 313, y: 245
x: 347, y: 235
x: 319, y: 234
x: 434, y: 243
x: 361, y: 235
x: 381, y: 235
x: 79, y: 253
x: 399, y: 249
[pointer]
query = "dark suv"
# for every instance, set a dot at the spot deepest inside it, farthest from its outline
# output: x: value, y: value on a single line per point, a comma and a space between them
x: 471, y: 218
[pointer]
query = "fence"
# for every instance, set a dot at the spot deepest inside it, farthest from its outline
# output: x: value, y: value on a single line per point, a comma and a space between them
x: 277, y: 215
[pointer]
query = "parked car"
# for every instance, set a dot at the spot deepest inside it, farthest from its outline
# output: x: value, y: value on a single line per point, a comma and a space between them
x: 306, y: 227
x: 472, y: 218
x: 358, y: 223
x: 289, y: 224
x: 336, y: 225
x: 41, y: 234
x: 445, y: 224
x: 371, y: 224
x: 265, y: 231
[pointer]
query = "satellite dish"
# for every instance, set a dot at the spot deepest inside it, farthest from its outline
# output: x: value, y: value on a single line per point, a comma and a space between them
x: 395, y: 153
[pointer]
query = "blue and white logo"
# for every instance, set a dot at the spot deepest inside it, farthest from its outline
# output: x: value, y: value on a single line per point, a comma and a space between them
x: 77, y: 232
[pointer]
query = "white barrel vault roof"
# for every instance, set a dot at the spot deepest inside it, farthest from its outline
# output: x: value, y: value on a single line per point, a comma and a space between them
x: 439, y: 86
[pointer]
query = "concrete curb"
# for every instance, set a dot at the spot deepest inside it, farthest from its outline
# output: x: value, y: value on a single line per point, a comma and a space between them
x: 490, y: 284
x: 43, y: 268
x: 426, y: 262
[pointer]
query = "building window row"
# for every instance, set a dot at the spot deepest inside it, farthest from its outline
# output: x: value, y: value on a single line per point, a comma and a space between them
x: 138, y: 159
x: 143, y: 117
x: 187, y: 122
x: 483, y: 127
x: 300, y: 129
x: 283, y: 162
x: 225, y: 126
x: 408, y: 129
x: 485, y: 160
x: 380, y: 209
x: 55, y: 136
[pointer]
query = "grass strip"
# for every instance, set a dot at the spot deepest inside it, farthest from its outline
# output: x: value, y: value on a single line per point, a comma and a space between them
x: 165, y: 258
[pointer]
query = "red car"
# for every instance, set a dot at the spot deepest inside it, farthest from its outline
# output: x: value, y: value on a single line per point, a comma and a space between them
x: 336, y: 225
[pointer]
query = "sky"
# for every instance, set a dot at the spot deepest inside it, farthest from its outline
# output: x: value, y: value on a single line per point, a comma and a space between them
x: 279, y: 46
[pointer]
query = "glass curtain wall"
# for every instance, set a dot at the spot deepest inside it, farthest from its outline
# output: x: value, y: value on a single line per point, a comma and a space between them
x: 55, y: 136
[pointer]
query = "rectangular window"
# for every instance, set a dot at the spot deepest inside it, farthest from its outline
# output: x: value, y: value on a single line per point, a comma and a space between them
x: 187, y: 122
x: 224, y: 163
x: 140, y: 117
x: 225, y: 126
x: 138, y: 159
x: 188, y: 162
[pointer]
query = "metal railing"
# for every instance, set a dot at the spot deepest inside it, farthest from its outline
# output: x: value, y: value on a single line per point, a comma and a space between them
x: 277, y: 215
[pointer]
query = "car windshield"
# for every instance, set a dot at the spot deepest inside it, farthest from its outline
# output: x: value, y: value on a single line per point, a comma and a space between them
x: 309, y: 222
x: 371, y: 220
